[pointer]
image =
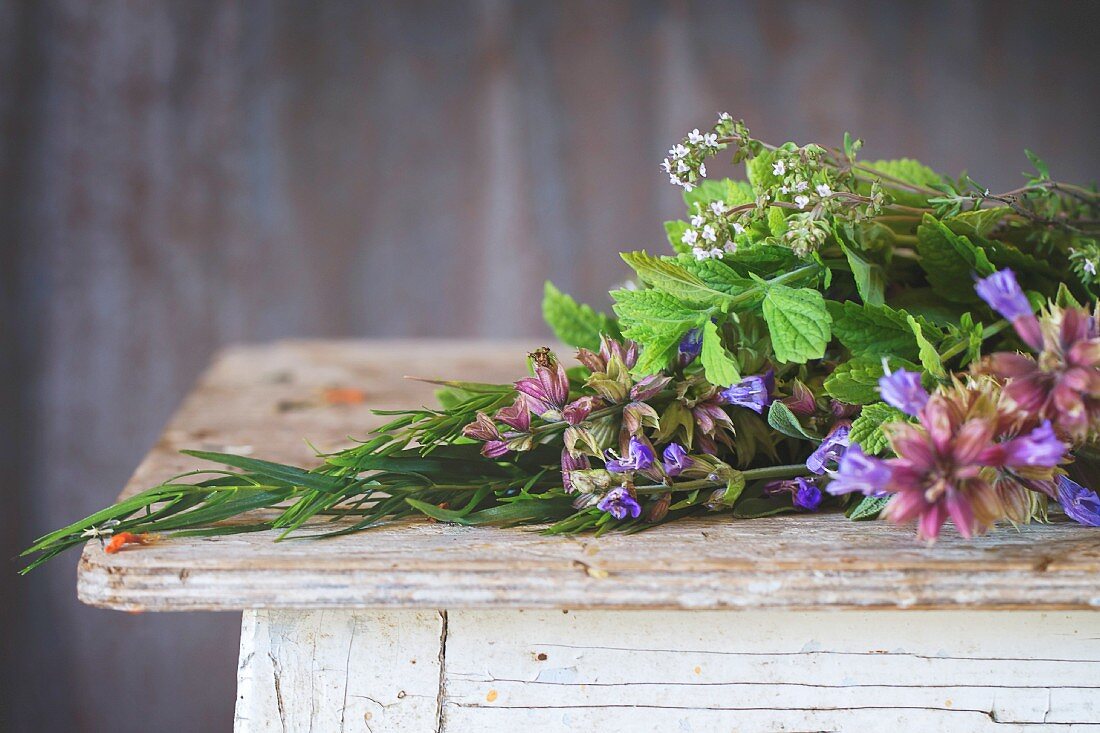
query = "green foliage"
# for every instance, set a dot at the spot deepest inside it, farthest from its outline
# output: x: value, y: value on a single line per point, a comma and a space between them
x: 786, y: 422
x: 869, y: 507
x: 669, y: 277
x: 719, y: 366
x: 856, y: 381
x: 867, y: 428
x: 798, y: 322
x: 573, y: 323
x: 877, y: 330
x: 950, y: 261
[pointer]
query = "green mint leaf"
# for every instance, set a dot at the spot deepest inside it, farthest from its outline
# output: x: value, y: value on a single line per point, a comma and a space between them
x: 666, y: 275
x: 765, y: 260
x: 907, y: 170
x: 674, y: 230
x: 784, y: 421
x: 657, y: 321
x: 716, y: 275
x: 867, y: 428
x: 978, y: 223
x: 950, y: 261
x: 798, y: 322
x: 876, y: 330
x: 928, y: 353
x: 870, y: 278
x: 868, y: 508
x: 719, y: 366
x: 856, y: 382
x: 656, y: 351
x: 733, y: 193
x: 573, y: 323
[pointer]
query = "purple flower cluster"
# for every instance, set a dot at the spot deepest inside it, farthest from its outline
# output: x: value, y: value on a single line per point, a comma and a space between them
x: 753, y: 392
x: 620, y: 504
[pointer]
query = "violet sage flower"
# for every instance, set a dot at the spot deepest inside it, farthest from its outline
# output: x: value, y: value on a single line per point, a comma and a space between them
x: 860, y: 473
x: 548, y: 390
x: 619, y: 503
x: 639, y: 456
x: 691, y: 345
x: 570, y: 463
x: 902, y: 389
x: 751, y: 392
x: 1080, y: 504
x: 831, y: 449
x: 804, y: 492
x: 1003, y: 294
x: 675, y: 459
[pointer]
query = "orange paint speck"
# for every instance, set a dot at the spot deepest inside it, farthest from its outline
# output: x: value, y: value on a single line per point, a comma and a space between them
x: 698, y: 670
x: 948, y: 703
x: 344, y: 396
x: 491, y: 696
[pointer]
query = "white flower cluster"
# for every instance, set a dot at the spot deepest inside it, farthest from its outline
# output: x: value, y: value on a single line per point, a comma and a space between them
x: 1083, y: 261
x: 685, y: 164
x: 795, y: 170
x: 711, y: 233
x: 805, y: 234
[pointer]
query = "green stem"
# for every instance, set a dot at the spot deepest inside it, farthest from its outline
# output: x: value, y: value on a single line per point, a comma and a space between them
x: 753, y: 474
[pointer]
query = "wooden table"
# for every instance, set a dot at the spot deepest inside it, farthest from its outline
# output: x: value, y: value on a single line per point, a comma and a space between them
x: 789, y: 623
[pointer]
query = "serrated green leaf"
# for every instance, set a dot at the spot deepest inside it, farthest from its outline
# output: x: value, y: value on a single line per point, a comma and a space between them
x: 762, y: 259
x: 777, y: 221
x: 668, y: 276
x: 876, y: 330
x: 978, y: 223
x: 653, y: 309
x: 856, y: 382
x: 867, y: 428
x: 907, y: 170
x: 950, y: 261
x: 929, y: 355
x: 869, y: 508
x: 718, y: 366
x: 798, y: 323
x: 573, y: 323
x: 716, y: 275
x: 733, y: 193
x: 783, y: 420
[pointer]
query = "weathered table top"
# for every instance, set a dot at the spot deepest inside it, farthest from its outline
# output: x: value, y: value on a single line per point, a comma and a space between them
x: 268, y: 399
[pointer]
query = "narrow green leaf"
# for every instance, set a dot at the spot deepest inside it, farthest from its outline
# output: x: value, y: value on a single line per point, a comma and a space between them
x: 719, y: 366
x: 783, y: 420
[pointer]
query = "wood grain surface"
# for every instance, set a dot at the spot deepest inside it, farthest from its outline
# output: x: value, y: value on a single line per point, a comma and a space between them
x: 179, y: 175
x: 264, y: 400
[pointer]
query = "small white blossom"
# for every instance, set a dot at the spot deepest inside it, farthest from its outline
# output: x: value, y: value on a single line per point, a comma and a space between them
x: 703, y: 170
x: 1089, y: 267
x: 779, y: 168
x: 716, y: 253
x: 698, y: 220
x: 694, y: 137
x: 730, y: 247
x: 824, y: 190
x: 801, y: 186
x: 724, y: 117
x: 718, y: 207
x: 666, y: 165
x: 674, y: 179
x: 700, y: 254
x: 689, y: 187
x: 710, y: 140
x: 678, y: 151
x: 784, y: 190
x: 709, y: 234
x: 690, y: 237
x: 802, y: 201
x: 682, y: 167
x: 738, y: 229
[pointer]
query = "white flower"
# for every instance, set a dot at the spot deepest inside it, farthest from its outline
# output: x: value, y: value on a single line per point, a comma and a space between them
x: 738, y: 229
x: 682, y: 167
x: 730, y: 247
x: 784, y: 190
x: 690, y: 237
x: 698, y: 220
x: 703, y: 170
x: 716, y: 253
x: 709, y: 234
x: 674, y: 179
x: 694, y: 137
x: 801, y: 186
x: 700, y: 254
x: 718, y: 207
x: 666, y: 165
x: 779, y: 168
x: 802, y: 201
x: 689, y: 187
x: 724, y: 117
x: 678, y: 151
x: 710, y: 140
x: 824, y: 190
x: 1090, y: 267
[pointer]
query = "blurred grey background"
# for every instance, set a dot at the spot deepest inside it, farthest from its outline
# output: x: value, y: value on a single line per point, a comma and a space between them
x: 179, y: 175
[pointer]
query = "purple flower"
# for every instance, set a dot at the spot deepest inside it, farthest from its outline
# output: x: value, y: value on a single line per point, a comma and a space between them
x: 690, y: 346
x: 548, y: 390
x: 570, y: 463
x: 577, y: 410
x: 1003, y: 294
x: 751, y: 392
x: 483, y: 428
x: 1080, y: 504
x: 517, y: 415
x: 859, y: 473
x: 830, y: 450
x: 903, y: 390
x: 618, y: 503
x: 676, y: 459
x: 802, y: 400
x: 639, y: 456
x: 806, y: 495
x: 1040, y: 447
